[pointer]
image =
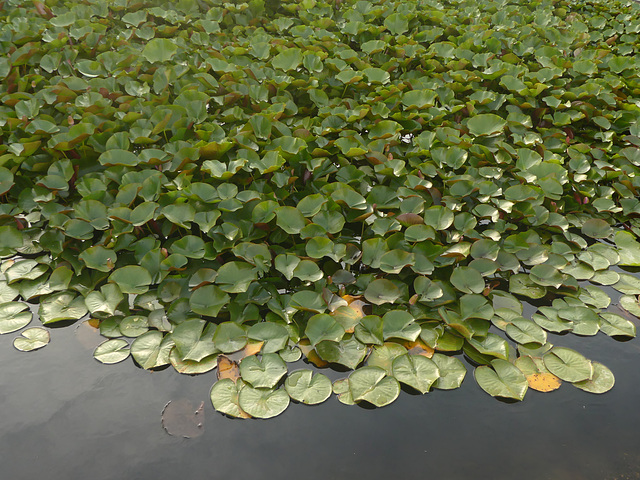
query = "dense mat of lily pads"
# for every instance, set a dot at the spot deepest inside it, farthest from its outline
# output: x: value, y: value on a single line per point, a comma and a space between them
x: 371, y: 186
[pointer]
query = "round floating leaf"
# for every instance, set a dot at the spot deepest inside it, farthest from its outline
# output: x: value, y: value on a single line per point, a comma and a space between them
x: 323, y: 327
x: 452, y: 372
x: 229, y: 337
x: 525, y: 331
x: 6, y: 180
x: 371, y: 384
x: 597, y: 228
x: 568, y: 365
x: 349, y: 353
x: 264, y: 372
x: 521, y: 284
x: 502, y: 379
x: 13, y: 316
x: 543, y: 382
x: 384, y: 355
x: 615, y: 325
x: 629, y: 303
x: 99, y: 258
x: 274, y: 336
x: 486, y: 124
x: 382, y: 291
x: 104, y: 301
x: 306, y: 387
x: 467, y: 280
x: 61, y: 306
x: 131, y: 279
x: 112, y: 351
x: 290, y: 354
x: 152, y: 349
x: 416, y: 371
x: 601, y: 381
x: 290, y: 219
x: 118, y: 157
x: 134, y: 325
x: 370, y: 330
x: 192, y: 367
x: 341, y: 388
x: 263, y: 403
x: 159, y: 50
x: 400, y: 324
x: 32, y: 339
x: 235, y: 277
x: 224, y: 398
x: 208, y: 300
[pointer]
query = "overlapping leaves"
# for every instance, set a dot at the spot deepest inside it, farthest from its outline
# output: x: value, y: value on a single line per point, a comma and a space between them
x: 373, y: 185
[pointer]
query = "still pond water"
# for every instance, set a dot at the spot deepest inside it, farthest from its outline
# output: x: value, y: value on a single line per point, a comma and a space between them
x: 64, y: 415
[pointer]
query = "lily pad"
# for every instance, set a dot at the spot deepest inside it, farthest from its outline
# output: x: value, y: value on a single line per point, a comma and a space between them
x: 502, y: 379
x: 601, y: 381
x: 13, y: 316
x: 371, y: 384
x: 452, y: 372
x: 32, y: 339
x: 263, y: 373
x: 306, y: 387
x: 263, y: 403
x: 568, y: 365
x: 224, y: 397
x: 112, y: 351
x: 416, y: 371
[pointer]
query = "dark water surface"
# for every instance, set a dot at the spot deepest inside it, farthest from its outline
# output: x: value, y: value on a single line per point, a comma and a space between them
x: 65, y: 416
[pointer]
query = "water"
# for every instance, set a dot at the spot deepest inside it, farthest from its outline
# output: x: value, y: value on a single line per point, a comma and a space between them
x: 64, y: 415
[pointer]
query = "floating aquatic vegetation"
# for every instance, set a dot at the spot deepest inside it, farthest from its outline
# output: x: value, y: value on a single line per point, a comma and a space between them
x: 374, y: 187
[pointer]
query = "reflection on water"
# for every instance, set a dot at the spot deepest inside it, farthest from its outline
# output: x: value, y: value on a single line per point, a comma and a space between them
x: 64, y: 414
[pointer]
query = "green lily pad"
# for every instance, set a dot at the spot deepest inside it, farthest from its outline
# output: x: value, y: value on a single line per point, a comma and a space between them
x: 601, y: 381
x: 229, y: 337
x: 323, y: 327
x: 224, y: 398
x: 13, y: 316
x: 208, y: 300
x: 159, y: 50
x: 112, y: 351
x: 61, y: 306
x: 263, y: 403
x: 192, y: 367
x: 486, y: 124
x: 371, y: 384
x: 369, y: 330
x: 32, y: 339
x: 349, y: 352
x: 597, y: 228
x: 467, y: 280
x: 417, y: 371
x: 264, y: 372
x: 151, y: 349
x: 274, y: 336
x: 382, y: 291
x: 615, y: 325
x: 400, y: 324
x: 502, y: 379
x: 384, y: 355
x: 306, y: 387
x: 568, y: 365
x: 525, y: 331
x: 131, y: 279
x: 452, y: 372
